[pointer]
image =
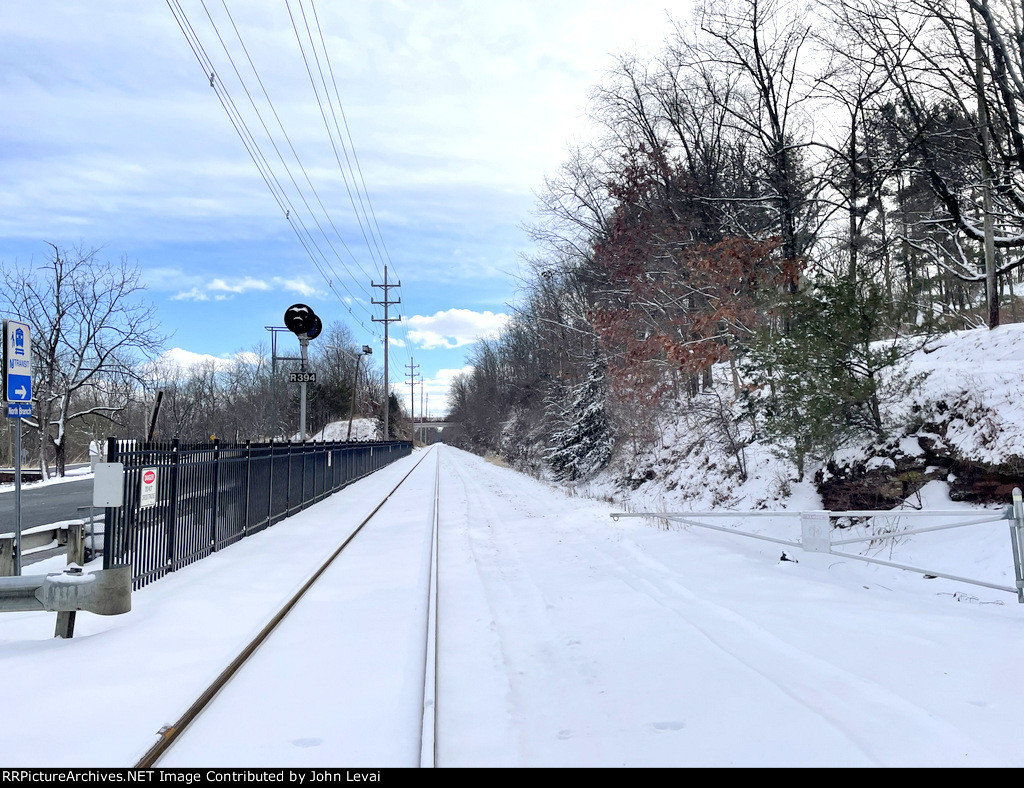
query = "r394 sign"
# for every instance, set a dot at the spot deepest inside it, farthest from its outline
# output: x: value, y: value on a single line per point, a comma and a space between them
x: 302, y: 377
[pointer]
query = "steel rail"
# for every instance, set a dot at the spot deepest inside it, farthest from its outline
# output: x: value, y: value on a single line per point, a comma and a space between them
x: 170, y: 733
x: 428, y: 723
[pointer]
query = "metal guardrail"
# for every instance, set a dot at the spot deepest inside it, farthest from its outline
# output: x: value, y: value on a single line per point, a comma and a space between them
x: 69, y: 534
x: 816, y: 533
x: 106, y: 592
x: 204, y: 497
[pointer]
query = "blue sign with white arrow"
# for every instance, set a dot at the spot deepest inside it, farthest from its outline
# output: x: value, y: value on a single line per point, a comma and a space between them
x: 18, y: 369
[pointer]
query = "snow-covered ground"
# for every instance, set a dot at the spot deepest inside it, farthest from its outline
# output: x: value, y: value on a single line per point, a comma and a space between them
x: 72, y: 475
x: 565, y: 639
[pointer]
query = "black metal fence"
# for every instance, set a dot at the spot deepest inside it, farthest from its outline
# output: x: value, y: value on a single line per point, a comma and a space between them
x: 183, y: 502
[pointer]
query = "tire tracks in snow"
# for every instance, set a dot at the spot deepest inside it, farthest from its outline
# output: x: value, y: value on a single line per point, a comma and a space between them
x: 820, y: 686
x: 494, y: 741
x: 549, y: 671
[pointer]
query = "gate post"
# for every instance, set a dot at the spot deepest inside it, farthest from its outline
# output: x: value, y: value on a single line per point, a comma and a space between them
x: 1017, y: 541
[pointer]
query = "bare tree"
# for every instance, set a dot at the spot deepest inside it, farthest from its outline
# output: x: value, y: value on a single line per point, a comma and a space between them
x: 90, y: 329
x: 957, y: 67
x: 756, y: 63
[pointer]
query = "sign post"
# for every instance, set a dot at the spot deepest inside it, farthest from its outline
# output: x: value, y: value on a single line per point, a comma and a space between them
x: 17, y: 386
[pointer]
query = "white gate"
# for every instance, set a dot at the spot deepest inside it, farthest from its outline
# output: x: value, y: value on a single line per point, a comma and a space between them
x: 816, y: 533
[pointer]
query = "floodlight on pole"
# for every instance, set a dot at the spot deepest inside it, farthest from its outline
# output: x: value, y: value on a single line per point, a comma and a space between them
x: 367, y: 350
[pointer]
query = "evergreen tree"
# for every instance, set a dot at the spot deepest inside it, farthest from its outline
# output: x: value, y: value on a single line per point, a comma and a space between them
x: 824, y: 382
x: 396, y: 419
x: 585, y: 445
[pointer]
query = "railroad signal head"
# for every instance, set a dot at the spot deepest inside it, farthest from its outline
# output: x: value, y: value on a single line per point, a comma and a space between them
x: 314, y: 332
x: 300, y: 319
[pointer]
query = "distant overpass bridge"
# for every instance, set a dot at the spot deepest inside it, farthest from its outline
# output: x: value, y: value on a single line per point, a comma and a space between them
x: 422, y: 426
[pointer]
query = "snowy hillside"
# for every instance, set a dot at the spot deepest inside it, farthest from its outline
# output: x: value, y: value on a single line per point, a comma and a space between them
x: 962, y: 427
x: 362, y: 430
x: 977, y: 374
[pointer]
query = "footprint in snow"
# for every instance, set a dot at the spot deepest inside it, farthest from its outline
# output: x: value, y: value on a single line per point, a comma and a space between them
x: 661, y: 727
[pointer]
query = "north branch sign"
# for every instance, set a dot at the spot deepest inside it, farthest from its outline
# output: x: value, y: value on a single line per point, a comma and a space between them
x: 17, y: 368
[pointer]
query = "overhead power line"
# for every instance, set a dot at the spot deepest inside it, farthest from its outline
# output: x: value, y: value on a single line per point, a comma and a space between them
x: 316, y: 253
x: 351, y: 170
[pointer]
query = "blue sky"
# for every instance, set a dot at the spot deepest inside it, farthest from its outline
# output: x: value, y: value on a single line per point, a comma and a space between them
x: 454, y: 112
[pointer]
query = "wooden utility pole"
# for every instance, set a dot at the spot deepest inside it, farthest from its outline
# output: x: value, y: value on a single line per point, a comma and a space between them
x: 386, y: 320
x: 411, y: 374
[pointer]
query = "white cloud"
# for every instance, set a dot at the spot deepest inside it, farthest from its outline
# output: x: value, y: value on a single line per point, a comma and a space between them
x: 178, y: 361
x: 300, y: 286
x: 444, y: 377
x: 240, y: 286
x: 221, y: 289
x: 195, y: 294
x: 184, y: 359
x: 454, y: 328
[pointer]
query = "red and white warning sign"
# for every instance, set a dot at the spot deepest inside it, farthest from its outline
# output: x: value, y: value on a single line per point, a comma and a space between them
x: 147, y: 488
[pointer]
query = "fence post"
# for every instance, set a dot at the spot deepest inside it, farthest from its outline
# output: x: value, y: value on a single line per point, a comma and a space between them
x: 1017, y: 541
x: 216, y: 493
x: 110, y: 536
x: 288, y: 485
x: 270, y: 486
x: 172, y: 510
x: 248, y: 474
x: 302, y: 483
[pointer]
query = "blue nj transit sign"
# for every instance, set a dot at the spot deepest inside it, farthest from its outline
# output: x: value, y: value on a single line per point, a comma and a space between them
x: 18, y: 368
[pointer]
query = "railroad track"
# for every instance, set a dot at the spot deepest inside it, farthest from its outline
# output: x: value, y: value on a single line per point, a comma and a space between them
x: 171, y: 734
